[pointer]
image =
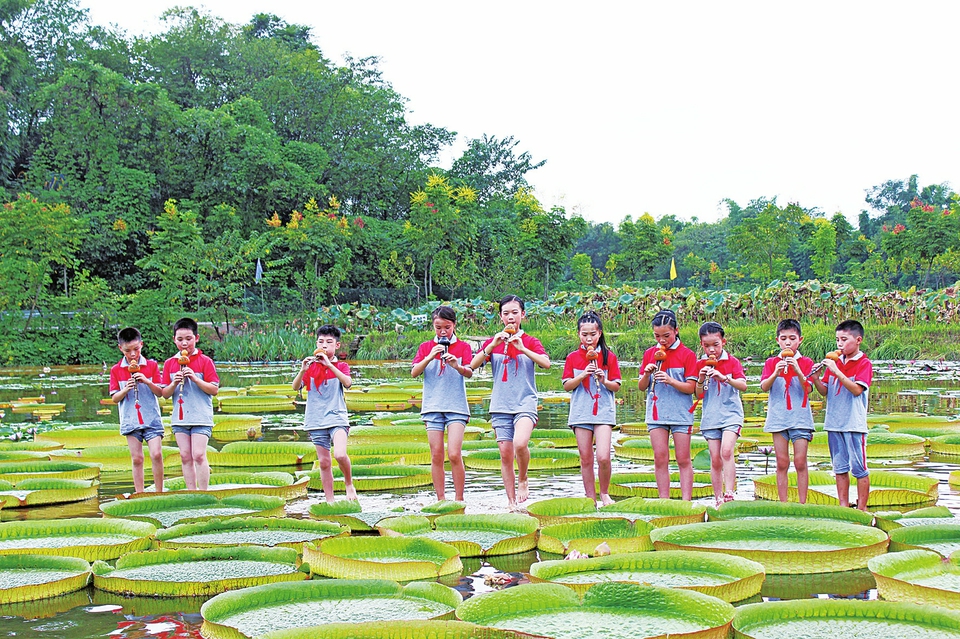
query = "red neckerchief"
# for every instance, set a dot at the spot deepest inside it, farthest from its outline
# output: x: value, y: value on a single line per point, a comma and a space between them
x: 320, y: 373
x: 194, y: 357
x: 659, y: 364
x: 586, y: 383
x: 510, y: 352
x: 788, y: 376
x: 124, y: 364
x: 846, y: 366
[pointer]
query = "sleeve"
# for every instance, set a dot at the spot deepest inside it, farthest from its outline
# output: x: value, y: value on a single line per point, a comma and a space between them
x: 165, y: 376
x: 690, y: 369
x: 422, y: 352
x: 155, y: 378
x: 344, y: 368
x: 864, y: 375
x: 613, y: 368
x: 806, y: 365
x: 647, y: 358
x: 114, y: 381
x: 736, y: 370
x: 210, y: 372
x: 486, y: 343
x: 568, y: 368
x: 769, y: 365
x: 535, y: 345
x: 466, y: 353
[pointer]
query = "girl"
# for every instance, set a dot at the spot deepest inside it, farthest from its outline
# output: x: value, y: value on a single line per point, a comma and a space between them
x: 513, y: 403
x: 592, y: 373
x: 444, y: 363
x: 720, y: 381
x: 669, y: 374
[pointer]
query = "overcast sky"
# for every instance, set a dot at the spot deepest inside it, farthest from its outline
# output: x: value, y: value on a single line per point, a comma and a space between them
x: 660, y: 107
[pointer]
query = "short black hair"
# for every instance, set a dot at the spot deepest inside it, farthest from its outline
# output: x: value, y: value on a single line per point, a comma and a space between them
x: 445, y: 312
x: 851, y: 326
x: 187, y: 323
x: 511, y: 298
x: 666, y: 317
x: 710, y: 328
x: 789, y: 324
x: 128, y: 335
x: 329, y: 330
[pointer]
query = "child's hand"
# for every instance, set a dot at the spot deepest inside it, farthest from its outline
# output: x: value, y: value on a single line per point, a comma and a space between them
x: 601, y: 375
x: 438, y: 349
x: 189, y: 373
x: 177, y: 377
x: 649, y: 368
x: 831, y: 365
x: 132, y: 381
x: 661, y: 377
x: 717, y: 375
x: 447, y: 358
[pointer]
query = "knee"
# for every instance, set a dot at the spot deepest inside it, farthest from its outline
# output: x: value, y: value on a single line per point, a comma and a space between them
x: 726, y: 454
x: 436, y: 456
x: 603, y: 458
x: 199, y: 457
x: 156, y: 457
x: 137, y: 458
x: 661, y: 459
x: 342, y: 458
x: 324, y: 463
x: 800, y: 464
x: 716, y: 462
x: 455, y: 457
x: 783, y: 464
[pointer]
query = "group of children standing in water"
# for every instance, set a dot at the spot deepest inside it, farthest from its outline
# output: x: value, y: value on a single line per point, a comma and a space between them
x: 674, y: 378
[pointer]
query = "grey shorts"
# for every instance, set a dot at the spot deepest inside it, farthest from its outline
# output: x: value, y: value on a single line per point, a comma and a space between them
x: 589, y: 427
x: 676, y: 429
x: 848, y: 452
x: 194, y: 430
x: 717, y: 433
x: 146, y: 433
x: 440, y: 421
x: 793, y: 434
x: 323, y: 437
x: 504, y: 424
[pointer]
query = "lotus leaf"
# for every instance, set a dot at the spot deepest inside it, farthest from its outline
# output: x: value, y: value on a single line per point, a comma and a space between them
x: 471, y: 535
x: 29, y: 577
x: 55, y: 469
x: 610, y: 610
x: 540, y: 459
x: 249, y: 531
x: 851, y: 619
x: 38, y: 491
x: 726, y: 577
x: 918, y: 576
x: 768, y: 509
x: 645, y: 485
x: 886, y: 489
x: 88, y: 539
x: 167, y: 510
x: 781, y: 545
x: 943, y: 539
x: 247, y: 454
x: 191, y: 572
x: 254, y: 611
x: 396, y: 558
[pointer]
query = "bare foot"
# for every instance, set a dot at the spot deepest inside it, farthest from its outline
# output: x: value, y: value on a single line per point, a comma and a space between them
x: 512, y: 506
x: 606, y: 500
x: 351, y: 493
x: 523, y: 491
x: 459, y: 497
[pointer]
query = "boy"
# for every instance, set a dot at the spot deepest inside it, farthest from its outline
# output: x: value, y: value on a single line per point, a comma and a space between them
x: 789, y: 417
x: 845, y: 385
x: 326, y: 418
x: 140, y: 410
x: 191, y: 379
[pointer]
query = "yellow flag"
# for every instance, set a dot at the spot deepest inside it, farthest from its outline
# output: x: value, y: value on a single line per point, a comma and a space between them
x: 673, y: 269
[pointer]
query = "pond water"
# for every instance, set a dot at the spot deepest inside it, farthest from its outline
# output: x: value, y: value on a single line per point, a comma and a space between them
x: 930, y: 387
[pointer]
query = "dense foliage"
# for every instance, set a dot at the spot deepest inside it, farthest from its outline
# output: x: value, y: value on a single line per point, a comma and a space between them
x: 145, y: 177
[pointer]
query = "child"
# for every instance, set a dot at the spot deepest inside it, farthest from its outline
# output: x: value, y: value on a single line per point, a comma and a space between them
x: 720, y: 380
x: 593, y: 374
x: 513, y: 403
x: 326, y: 418
x: 444, y: 363
x: 845, y: 385
x: 191, y: 379
x: 789, y: 417
x: 139, y: 411
x: 669, y: 374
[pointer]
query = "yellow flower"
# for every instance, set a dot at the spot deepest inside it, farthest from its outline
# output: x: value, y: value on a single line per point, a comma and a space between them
x: 418, y: 198
x: 434, y: 180
x: 119, y: 225
x: 466, y: 194
x: 295, y: 218
x: 274, y: 221
x: 311, y: 206
x: 333, y: 202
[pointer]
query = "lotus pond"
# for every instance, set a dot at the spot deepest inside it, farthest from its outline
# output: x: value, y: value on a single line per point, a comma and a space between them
x: 900, y: 387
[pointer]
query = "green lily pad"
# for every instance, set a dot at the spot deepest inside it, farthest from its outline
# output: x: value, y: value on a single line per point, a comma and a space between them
x: 88, y: 539
x: 745, y: 510
x: 471, y: 535
x: 540, y: 459
x: 167, y: 510
x: 396, y: 558
x: 585, y: 536
x: 943, y: 539
x: 30, y: 577
x: 249, y: 531
x: 50, y: 469
x: 369, y: 478
x: 645, y: 485
x: 886, y: 489
x: 39, y: 491
x: 918, y: 576
x: 248, y: 454
x: 275, y: 484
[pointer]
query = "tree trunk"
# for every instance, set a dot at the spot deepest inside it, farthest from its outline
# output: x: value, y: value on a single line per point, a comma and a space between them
x: 546, y: 282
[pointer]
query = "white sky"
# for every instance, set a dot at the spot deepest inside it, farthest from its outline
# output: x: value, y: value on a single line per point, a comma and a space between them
x: 660, y: 107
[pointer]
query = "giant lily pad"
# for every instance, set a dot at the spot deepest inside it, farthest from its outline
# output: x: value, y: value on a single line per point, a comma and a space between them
x: 943, y: 539
x: 886, y: 489
x: 366, y: 478
x: 255, y: 611
x: 88, y: 539
x: 403, y: 453
x: 610, y: 610
x: 167, y: 510
x: 744, y: 510
x: 891, y: 520
x: 191, y: 572
x: 271, y: 389
x: 642, y: 449
x: 247, y: 454
x: 851, y: 619
x: 880, y: 445
x: 29, y: 445
x: 849, y: 583
x: 396, y: 558
x: 84, y: 436
x: 256, y: 403
x: 781, y: 545
x: 386, y: 399
x: 398, y: 630
x: 402, y: 433
x: 42, y: 491
x: 726, y: 577
x: 29, y: 577
x: 540, y: 459
x: 224, y: 484
x: 645, y: 485
x: 50, y: 469
x: 471, y: 535
x: 348, y: 513
x: 249, y: 531
x: 918, y: 576
x: 561, y: 437
x: 659, y: 512
x: 585, y: 536
x: 117, y: 458
x: 945, y: 444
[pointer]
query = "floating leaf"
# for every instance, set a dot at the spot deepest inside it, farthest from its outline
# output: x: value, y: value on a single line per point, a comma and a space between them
x: 88, y: 539
x: 471, y: 535
x: 249, y: 531
x: 30, y: 577
x: 167, y: 510
x: 396, y: 558
x: 918, y: 576
x: 585, y: 536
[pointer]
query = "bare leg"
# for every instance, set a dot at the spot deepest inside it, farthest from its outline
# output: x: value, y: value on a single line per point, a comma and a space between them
x: 326, y: 473
x: 198, y: 448
x: 660, y: 440
x: 800, y: 463
x: 585, y: 446
x: 186, y: 460
x: 728, y: 446
x: 455, y: 454
x: 435, y: 437
x: 843, y: 488
x: 508, y: 473
x: 155, y: 446
x: 863, y: 492
x: 343, y: 461
x: 521, y: 441
x: 603, y: 435
x: 681, y: 447
x: 136, y: 459
x: 716, y: 470
x: 781, y: 447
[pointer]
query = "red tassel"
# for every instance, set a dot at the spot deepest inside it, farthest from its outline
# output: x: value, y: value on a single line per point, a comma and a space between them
x: 655, y: 416
x: 139, y: 416
x: 505, y: 363
x: 180, y: 401
x: 693, y: 408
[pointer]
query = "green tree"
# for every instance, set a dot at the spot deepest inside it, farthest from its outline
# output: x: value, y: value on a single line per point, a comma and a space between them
x: 824, y: 245
x: 761, y: 242
x: 493, y: 168
x: 545, y: 237
x: 582, y: 269
x: 643, y: 246
x: 174, y: 262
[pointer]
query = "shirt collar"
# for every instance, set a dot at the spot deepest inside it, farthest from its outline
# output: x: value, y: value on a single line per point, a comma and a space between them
x: 453, y: 340
x: 675, y: 345
x: 854, y: 358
